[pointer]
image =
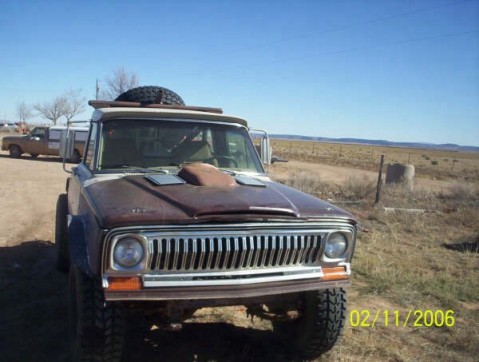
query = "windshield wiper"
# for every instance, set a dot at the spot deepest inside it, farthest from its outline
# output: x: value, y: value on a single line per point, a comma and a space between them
x: 134, y: 168
x: 228, y: 171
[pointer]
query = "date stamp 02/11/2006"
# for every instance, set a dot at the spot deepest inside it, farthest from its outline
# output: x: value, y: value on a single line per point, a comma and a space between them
x: 394, y: 318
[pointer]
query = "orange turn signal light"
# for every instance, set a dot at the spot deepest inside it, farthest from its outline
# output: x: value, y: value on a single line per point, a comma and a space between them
x: 335, y: 273
x: 124, y: 283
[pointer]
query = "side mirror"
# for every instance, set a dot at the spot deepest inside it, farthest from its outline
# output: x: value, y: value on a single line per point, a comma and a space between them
x: 67, y: 144
x: 266, y: 150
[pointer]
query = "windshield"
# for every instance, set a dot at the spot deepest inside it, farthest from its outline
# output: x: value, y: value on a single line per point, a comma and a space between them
x: 161, y: 144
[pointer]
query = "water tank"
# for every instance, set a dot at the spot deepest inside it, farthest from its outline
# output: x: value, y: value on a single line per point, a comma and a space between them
x: 399, y: 173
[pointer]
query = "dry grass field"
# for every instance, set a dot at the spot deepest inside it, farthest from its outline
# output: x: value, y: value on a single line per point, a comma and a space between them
x: 433, y: 164
x: 419, y: 261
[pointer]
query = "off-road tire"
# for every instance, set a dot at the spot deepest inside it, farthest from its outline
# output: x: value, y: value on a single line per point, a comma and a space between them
x: 33, y: 155
x: 321, y: 318
x: 61, y: 234
x: 97, y: 328
x: 151, y: 95
x: 76, y: 157
x: 15, y: 151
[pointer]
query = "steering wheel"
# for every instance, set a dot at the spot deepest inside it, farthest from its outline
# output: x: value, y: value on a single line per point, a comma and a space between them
x: 228, y: 158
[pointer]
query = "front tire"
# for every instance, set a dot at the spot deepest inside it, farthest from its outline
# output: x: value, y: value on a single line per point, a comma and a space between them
x: 15, y: 151
x: 97, y: 328
x: 61, y: 234
x: 321, y: 319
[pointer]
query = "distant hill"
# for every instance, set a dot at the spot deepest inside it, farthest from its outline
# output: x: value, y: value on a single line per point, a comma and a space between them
x: 445, y: 146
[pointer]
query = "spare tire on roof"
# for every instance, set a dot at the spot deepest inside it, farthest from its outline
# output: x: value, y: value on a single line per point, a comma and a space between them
x: 151, y: 95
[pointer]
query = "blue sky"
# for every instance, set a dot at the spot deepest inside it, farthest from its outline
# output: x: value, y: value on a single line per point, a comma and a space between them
x: 392, y: 70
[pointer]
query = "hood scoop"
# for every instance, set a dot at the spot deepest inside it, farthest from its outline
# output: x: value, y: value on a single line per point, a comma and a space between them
x: 202, y: 174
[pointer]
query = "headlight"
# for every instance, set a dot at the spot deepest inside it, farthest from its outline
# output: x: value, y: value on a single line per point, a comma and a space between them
x: 128, y: 252
x: 336, y: 246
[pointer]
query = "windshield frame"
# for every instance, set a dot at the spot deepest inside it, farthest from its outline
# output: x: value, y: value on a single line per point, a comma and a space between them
x: 174, y: 168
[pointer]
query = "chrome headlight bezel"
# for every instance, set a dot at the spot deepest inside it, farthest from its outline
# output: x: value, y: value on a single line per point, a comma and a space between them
x: 142, y: 242
x: 337, y: 246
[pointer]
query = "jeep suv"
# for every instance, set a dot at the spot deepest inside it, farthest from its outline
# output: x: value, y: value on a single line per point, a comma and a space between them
x: 171, y: 211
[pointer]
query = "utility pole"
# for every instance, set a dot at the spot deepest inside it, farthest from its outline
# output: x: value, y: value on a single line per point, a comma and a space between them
x: 97, y: 89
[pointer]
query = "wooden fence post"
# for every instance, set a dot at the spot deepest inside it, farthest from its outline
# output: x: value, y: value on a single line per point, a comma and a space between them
x: 380, y: 180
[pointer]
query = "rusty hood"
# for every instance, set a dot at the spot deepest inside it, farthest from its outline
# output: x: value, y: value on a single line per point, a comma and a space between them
x: 135, y: 200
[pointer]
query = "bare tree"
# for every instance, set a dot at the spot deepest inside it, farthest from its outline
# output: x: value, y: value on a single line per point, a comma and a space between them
x: 67, y: 105
x: 120, y: 82
x: 24, y: 111
x: 52, y: 110
x: 74, y: 103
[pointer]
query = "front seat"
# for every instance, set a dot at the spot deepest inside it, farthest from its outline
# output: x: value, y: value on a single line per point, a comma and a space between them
x: 194, y: 151
x: 118, y: 152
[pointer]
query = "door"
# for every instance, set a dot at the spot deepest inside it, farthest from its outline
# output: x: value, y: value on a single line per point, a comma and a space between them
x: 36, y: 144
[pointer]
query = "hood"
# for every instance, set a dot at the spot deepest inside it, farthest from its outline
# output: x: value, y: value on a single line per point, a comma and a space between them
x: 136, y: 200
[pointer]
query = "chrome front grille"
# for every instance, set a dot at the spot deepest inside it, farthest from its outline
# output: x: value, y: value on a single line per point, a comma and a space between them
x: 220, y: 252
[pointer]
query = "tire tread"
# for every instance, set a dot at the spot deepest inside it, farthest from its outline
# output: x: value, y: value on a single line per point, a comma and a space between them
x: 101, y: 325
x: 151, y: 95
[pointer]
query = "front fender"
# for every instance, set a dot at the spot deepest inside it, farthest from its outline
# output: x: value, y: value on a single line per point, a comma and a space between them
x: 77, y: 244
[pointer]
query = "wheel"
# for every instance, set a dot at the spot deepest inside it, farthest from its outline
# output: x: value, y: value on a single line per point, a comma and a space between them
x: 97, y: 328
x: 151, y: 95
x: 15, y: 151
x: 76, y: 157
x: 61, y: 234
x: 321, y: 316
x: 33, y: 155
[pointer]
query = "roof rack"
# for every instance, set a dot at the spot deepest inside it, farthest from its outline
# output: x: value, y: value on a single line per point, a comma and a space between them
x: 111, y: 104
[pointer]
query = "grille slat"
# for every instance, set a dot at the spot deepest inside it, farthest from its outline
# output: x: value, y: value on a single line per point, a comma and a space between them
x: 235, y: 252
x: 232, y: 252
x: 219, y: 253
x: 176, y: 252
x: 191, y: 264
x: 244, y: 251
x: 301, y: 250
x: 184, y: 253
x: 167, y: 254
x: 278, y: 242
x: 251, y: 251
x: 272, y: 250
x: 309, y: 247
x: 292, y: 252
x: 209, y: 243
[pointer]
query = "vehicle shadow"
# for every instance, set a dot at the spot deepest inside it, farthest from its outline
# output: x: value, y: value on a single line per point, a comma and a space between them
x: 33, y: 311
x: 207, y: 342
x: 34, y: 320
